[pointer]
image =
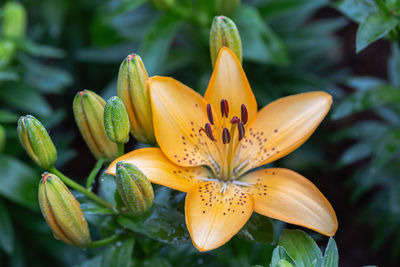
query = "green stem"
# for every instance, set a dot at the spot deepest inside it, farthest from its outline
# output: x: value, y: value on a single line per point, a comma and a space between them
x: 105, y: 241
x: 120, y: 149
x: 94, y: 173
x: 80, y: 188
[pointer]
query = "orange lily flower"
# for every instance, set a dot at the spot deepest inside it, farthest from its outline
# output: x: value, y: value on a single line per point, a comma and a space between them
x: 208, y: 147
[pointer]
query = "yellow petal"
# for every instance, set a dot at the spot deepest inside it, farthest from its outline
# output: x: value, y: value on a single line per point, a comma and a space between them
x: 287, y: 196
x: 282, y: 126
x: 159, y: 170
x: 214, y: 217
x: 178, y: 114
x: 229, y: 82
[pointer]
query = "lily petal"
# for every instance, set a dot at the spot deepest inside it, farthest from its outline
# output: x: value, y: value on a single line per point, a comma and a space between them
x: 229, y: 82
x: 287, y: 196
x: 282, y: 126
x: 159, y: 170
x: 178, y: 114
x: 213, y: 215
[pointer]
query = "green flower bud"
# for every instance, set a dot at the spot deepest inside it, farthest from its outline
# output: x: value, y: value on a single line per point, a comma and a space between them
x: 2, y: 137
x: 134, y: 188
x: 88, y: 112
x: 14, y: 20
x: 36, y: 141
x: 116, y: 120
x: 62, y: 212
x: 224, y: 33
x: 133, y: 90
x: 226, y: 7
x: 7, y: 52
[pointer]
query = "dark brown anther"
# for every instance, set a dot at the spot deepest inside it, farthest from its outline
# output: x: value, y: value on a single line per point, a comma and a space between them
x: 241, y: 131
x: 235, y: 120
x: 244, y: 114
x: 226, y: 136
x: 209, y: 114
x: 209, y: 132
x: 224, y: 108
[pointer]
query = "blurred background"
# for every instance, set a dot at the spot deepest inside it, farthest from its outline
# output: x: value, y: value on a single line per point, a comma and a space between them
x: 57, y: 48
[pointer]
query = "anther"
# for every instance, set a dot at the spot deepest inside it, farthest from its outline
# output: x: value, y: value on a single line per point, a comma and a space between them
x: 235, y: 120
x: 209, y: 132
x: 241, y: 131
x: 244, y: 114
x: 224, y: 108
x: 226, y: 136
x: 209, y: 114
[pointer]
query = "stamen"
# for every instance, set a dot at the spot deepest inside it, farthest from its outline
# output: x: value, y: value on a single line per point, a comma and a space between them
x: 209, y: 132
x: 224, y: 108
x: 209, y: 114
x: 244, y: 114
x: 226, y: 136
x: 241, y: 131
x: 235, y: 120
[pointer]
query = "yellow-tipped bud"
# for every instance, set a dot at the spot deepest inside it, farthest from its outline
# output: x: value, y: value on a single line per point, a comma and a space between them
x: 133, y: 90
x: 224, y: 33
x: 134, y: 188
x: 36, y: 141
x: 116, y: 120
x: 14, y: 20
x: 62, y: 212
x: 88, y: 112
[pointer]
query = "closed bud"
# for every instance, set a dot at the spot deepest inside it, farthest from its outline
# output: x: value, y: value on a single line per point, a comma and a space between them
x: 36, y: 141
x: 133, y: 90
x: 7, y: 51
x: 134, y: 188
x: 224, y: 33
x: 226, y: 7
x: 62, y: 212
x: 116, y: 121
x: 88, y: 112
x: 284, y: 263
x: 14, y: 20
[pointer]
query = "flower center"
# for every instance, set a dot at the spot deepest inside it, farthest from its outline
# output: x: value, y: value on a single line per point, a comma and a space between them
x: 226, y: 137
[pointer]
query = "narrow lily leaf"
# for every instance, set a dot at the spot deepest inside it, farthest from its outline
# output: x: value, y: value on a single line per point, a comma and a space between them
x: 355, y: 153
x: 7, y: 116
x: 394, y: 65
x: 160, y: 223
x: 258, y: 229
x: 6, y: 231
x: 301, y: 248
x: 356, y: 10
x: 118, y: 254
x: 362, y: 100
x: 155, y: 47
x: 331, y: 257
x: 388, y: 147
x: 374, y: 27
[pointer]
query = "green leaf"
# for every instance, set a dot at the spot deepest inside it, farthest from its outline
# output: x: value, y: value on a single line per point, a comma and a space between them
x: 394, y: 65
x: 258, y: 229
x: 155, y: 47
x: 388, y: 147
x: 93, y: 262
x: 118, y: 254
x: 8, y: 116
x: 356, y: 10
x: 331, y: 257
x: 259, y: 42
x: 372, y: 28
x: 156, y: 262
x: 17, y: 94
x: 278, y: 254
x: 18, y: 182
x: 301, y: 248
x: 6, y: 231
x: 40, y: 50
x: 8, y: 76
x: 160, y: 223
x: 362, y: 100
x: 355, y: 153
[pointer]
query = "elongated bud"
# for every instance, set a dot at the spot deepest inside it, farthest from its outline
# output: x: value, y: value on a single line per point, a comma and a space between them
x: 2, y: 137
x: 7, y: 51
x: 116, y: 121
x: 62, y: 212
x: 134, y: 188
x: 224, y: 33
x: 226, y: 7
x: 36, y: 141
x: 14, y: 20
x: 88, y: 112
x: 133, y: 90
